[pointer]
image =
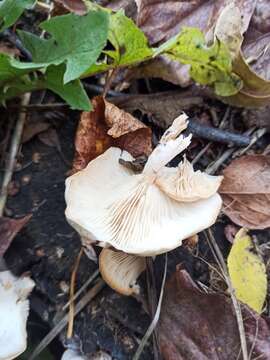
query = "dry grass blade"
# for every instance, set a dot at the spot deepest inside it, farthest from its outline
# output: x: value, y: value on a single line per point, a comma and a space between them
x: 63, y: 322
x: 71, y: 295
x: 220, y: 260
x: 78, y: 293
x: 156, y: 317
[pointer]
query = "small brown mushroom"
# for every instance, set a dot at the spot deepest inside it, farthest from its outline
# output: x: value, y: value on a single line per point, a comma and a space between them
x: 121, y: 270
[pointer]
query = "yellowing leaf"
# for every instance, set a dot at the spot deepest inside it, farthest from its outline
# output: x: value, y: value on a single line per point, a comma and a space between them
x: 247, y: 272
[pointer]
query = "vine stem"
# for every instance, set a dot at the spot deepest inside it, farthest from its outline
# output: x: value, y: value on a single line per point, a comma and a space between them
x: 14, y: 148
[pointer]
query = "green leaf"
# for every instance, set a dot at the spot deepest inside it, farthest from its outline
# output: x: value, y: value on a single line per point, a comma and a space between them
x: 129, y: 42
x: 210, y: 65
x: 75, y: 40
x: 11, y: 10
x: 7, y: 71
x: 247, y: 272
x: 73, y: 92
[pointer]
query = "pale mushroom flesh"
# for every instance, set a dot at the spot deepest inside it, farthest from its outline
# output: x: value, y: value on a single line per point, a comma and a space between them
x: 142, y: 214
x: 14, y: 309
x: 121, y: 270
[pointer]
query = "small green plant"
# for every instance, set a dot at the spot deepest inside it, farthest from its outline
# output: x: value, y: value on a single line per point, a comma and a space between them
x: 82, y: 46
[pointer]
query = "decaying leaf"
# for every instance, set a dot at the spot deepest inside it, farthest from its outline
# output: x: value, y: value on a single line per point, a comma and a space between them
x: 76, y: 6
x: 256, y: 87
x: 160, y: 20
x: 199, y: 325
x: 33, y: 128
x: 9, y: 228
x: 247, y: 272
x: 246, y: 191
x: 162, y: 108
x: 108, y: 126
x: 209, y: 65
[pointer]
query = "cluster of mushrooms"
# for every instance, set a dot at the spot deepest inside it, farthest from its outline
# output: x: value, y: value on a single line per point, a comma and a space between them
x: 132, y: 216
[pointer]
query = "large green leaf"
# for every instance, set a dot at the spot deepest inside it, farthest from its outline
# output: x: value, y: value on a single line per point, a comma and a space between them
x: 129, y: 42
x: 7, y: 71
x: 210, y: 65
x: 75, y: 40
x: 11, y: 10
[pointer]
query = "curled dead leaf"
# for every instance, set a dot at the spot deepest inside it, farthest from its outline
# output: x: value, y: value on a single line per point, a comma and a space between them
x: 107, y: 126
x: 246, y: 191
x: 199, y: 325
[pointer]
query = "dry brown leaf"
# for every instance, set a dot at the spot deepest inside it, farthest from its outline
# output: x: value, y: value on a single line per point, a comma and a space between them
x: 163, y: 107
x: 33, y: 128
x: 50, y: 138
x: 199, y: 325
x: 246, y: 191
x: 76, y: 6
x: 160, y: 20
x: 9, y: 228
x: 107, y: 126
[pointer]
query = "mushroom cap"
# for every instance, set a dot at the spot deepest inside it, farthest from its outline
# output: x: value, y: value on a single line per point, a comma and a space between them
x: 186, y: 185
x: 121, y: 270
x: 14, y: 309
x: 109, y: 203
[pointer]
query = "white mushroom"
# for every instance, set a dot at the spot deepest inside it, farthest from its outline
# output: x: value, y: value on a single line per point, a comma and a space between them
x: 121, y: 270
x: 14, y: 309
x: 143, y: 214
x: 186, y: 185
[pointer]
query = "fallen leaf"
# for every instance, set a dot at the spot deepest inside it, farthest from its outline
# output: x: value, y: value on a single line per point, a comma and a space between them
x: 129, y: 7
x: 107, y: 126
x: 251, y: 64
x: 76, y: 6
x: 246, y: 191
x: 50, y: 138
x: 162, y: 108
x: 9, y: 228
x: 33, y: 128
x: 199, y: 325
x: 160, y: 20
x: 163, y: 68
x: 247, y: 272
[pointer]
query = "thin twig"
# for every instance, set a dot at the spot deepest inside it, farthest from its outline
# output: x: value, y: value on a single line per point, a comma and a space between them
x: 63, y: 322
x: 14, y: 148
x: 110, y: 76
x: 71, y: 295
x: 201, y: 153
x: 156, y: 317
x: 236, y: 304
x: 216, y: 134
x: 78, y: 293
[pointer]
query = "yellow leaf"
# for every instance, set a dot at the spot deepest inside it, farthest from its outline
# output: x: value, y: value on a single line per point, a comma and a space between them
x: 247, y: 272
